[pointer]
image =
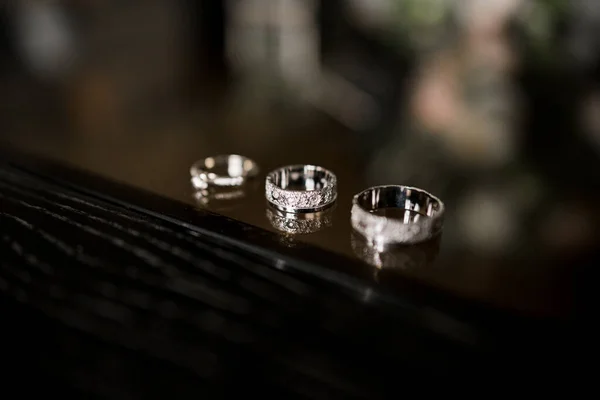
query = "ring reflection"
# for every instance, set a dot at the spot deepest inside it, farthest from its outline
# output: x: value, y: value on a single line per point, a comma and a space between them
x: 217, y: 199
x: 395, y: 257
x: 299, y: 223
x: 220, y: 199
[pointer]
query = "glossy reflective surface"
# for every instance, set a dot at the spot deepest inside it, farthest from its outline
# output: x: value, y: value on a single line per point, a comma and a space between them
x: 526, y: 276
x: 125, y: 294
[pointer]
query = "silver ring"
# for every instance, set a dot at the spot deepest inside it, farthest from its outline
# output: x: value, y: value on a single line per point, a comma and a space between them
x: 301, y: 188
x: 222, y: 170
x: 397, y: 214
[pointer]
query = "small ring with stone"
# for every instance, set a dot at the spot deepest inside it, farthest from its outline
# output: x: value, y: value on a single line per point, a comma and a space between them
x: 418, y: 214
x: 301, y: 188
x: 223, y: 171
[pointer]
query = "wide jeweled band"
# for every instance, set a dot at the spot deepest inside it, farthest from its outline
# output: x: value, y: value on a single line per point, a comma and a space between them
x: 301, y: 188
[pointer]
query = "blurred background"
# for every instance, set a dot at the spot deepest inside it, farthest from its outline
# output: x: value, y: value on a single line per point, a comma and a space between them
x: 492, y: 105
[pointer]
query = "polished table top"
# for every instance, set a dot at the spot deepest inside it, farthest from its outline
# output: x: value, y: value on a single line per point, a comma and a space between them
x: 529, y: 263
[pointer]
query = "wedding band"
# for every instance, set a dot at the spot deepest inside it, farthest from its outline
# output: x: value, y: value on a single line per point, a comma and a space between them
x: 222, y: 170
x: 419, y: 214
x: 301, y: 188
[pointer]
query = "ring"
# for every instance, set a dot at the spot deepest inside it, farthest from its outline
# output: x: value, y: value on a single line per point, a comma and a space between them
x: 301, y: 188
x: 299, y: 223
x: 222, y: 170
x: 418, y: 214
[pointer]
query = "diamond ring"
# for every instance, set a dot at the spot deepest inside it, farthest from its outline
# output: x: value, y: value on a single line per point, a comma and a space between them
x: 301, y: 188
x: 222, y: 171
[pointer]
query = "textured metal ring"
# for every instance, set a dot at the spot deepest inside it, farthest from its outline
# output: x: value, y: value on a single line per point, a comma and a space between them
x: 422, y: 214
x: 299, y: 223
x: 223, y: 171
x: 301, y: 188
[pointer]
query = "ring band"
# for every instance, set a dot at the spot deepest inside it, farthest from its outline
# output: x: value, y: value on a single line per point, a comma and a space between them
x: 421, y: 214
x: 301, y: 188
x: 222, y: 170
